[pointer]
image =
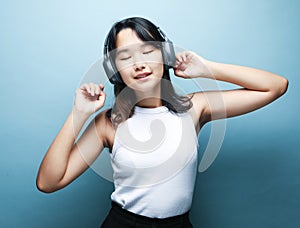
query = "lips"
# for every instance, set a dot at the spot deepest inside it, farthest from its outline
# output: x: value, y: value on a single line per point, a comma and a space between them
x: 142, y: 75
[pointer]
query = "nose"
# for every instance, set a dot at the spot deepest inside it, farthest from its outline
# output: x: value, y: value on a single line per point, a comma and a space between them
x: 139, y: 63
x: 139, y: 66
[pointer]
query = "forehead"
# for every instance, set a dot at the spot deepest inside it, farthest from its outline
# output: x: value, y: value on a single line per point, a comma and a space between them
x: 127, y: 37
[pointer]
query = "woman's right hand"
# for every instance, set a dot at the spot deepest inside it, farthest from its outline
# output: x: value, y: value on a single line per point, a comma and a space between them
x: 64, y: 161
x: 89, y: 98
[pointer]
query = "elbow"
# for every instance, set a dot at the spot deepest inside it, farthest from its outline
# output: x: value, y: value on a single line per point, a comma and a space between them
x: 280, y: 88
x: 284, y: 84
x: 41, y: 186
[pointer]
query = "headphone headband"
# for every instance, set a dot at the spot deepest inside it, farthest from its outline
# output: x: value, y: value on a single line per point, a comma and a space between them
x: 163, y: 35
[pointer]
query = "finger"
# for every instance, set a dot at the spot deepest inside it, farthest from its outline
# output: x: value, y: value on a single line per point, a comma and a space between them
x: 85, y: 88
x: 179, y: 60
x: 101, y: 88
x: 184, y: 57
x: 97, y: 90
x: 102, y: 95
x: 189, y: 57
x: 92, y: 89
x: 178, y: 57
x: 181, y: 65
x: 179, y: 73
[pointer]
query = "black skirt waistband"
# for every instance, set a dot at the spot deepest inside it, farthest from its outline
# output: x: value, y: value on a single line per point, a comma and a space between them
x: 116, y: 208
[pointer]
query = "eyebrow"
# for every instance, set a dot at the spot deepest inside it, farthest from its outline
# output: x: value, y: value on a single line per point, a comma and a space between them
x: 127, y: 49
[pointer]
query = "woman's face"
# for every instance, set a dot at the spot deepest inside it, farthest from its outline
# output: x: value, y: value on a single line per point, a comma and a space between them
x: 140, y: 64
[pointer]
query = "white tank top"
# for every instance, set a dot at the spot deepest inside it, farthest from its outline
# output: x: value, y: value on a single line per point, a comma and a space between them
x: 154, y: 159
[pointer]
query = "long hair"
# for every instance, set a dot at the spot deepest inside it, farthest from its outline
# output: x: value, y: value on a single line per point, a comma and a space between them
x: 123, y: 107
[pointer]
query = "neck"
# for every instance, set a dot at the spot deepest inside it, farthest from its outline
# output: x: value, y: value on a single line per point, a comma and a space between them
x: 149, y: 99
x: 150, y: 103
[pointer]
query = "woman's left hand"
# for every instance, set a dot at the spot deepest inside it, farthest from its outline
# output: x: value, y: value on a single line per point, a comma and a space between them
x: 190, y: 65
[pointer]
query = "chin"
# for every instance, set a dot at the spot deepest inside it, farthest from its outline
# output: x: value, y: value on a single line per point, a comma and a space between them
x: 146, y: 86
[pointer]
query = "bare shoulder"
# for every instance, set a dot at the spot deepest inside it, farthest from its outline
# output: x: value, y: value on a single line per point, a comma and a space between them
x: 104, y: 128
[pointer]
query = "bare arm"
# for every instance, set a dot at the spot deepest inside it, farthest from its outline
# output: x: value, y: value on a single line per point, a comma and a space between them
x: 259, y: 87
x: 65, y: 160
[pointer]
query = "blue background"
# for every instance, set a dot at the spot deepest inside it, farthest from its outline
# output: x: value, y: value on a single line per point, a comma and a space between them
x: 47, y: 46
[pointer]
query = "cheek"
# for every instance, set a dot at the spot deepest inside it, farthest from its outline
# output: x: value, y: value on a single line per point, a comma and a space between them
x: 122, y: 66
x: 123, y: 69
x: 158, y: 65
x: 158, y: 69
x: 125, y: 72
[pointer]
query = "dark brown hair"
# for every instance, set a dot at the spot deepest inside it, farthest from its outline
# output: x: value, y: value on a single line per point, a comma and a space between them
x: 123, y: 107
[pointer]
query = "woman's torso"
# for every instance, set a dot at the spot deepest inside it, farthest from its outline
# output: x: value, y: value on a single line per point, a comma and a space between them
x: 158, y: 182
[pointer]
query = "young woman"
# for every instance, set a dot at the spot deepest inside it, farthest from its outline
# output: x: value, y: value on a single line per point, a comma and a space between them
x: 151, y: 131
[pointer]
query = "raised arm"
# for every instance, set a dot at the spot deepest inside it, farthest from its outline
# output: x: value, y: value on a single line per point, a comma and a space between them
x: 65, y: 160
x: 259, y: 87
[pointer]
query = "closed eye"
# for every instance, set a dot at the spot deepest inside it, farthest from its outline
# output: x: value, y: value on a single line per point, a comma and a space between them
x: 147, y: 52
x: 125, y: 58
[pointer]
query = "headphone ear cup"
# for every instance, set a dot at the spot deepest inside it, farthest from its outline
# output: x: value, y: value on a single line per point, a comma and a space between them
x: 112, y: 74
x: 169, y: 54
